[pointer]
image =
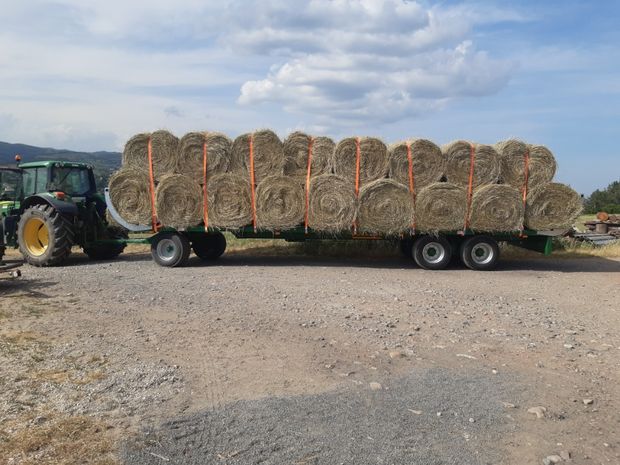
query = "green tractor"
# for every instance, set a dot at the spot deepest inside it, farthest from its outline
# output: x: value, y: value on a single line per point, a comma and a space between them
x: 47, y: 207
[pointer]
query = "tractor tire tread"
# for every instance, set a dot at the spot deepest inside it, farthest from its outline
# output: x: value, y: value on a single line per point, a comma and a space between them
x: 61, y: 229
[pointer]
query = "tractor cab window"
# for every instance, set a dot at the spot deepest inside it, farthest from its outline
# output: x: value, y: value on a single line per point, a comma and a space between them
x: 75, y: 182
x: 10, y: 185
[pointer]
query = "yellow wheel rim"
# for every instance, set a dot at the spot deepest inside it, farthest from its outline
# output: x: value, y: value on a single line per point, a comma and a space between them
x: 36, y: 236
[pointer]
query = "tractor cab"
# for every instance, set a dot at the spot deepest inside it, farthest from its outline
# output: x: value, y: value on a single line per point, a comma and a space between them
x: 61, y: 178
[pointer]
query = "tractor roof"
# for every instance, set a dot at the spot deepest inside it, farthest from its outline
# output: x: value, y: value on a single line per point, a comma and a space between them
x: 58, y: 163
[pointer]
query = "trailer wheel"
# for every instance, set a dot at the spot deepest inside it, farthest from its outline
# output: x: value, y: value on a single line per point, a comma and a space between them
x: 480, y: 253
x: 209, y: 247
x: 170, y: 249
x: 108, y: 251
x: 432, y: 253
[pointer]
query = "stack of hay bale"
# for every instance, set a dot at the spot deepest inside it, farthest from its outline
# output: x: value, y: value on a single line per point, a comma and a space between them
x: 356, y: 185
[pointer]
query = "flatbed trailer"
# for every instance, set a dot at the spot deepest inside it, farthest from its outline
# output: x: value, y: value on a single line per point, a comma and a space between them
x: 478, y: 251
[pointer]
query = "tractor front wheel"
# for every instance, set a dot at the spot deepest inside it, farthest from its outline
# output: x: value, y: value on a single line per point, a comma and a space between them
x: 45, y: 237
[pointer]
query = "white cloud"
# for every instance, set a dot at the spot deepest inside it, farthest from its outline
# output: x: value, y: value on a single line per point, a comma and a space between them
x: 373, y: 61
x: 107, y: 69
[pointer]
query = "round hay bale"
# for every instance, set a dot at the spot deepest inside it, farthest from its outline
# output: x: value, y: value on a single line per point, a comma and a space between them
x: 427, y: 161
x: 441, y: 207
x: 486, y: 163
x: 190, y: 160
x: 385, y: 207
x: 552, y: 205
x: 129, y: 192
x: 229, y: 201
x: 178, y: 200
x: 373, y: 159
x: 296, y: 155
x: 164, y: 152
x: 332, y: 204
x: 541, y: 164
x: 280, y: 203
x: 268, y: 154
x: 496, y: 207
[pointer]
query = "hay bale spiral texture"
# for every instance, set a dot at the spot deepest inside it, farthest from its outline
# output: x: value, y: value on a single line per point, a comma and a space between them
x: 229, y: 201
x: 496, y: 207
x: 552, y: 205
x: 178, y: 200
x: 129, y: 192
x: 373, y: 159
x: 428, y: 163
x: 386, y: 207
x: 280, y: 203
x: 268, y: 154
x: 296, y: 148
x: 441, y: 206
x: 541, y: 163
x: 332, y: 204
x: 458, y: 162
x: 191, y: 154
x: 164, y: 151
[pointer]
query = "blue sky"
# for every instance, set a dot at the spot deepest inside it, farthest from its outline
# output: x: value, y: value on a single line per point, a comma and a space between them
x: 87, y: 75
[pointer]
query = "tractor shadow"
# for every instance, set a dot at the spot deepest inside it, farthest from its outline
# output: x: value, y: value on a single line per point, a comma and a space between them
x: 24, y: 286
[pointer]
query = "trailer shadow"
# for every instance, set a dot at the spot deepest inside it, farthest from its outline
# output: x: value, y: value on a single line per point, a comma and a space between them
x: 253, y: 258
x: 562, y: 265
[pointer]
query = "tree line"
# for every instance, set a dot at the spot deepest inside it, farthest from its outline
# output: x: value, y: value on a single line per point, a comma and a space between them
x: 607, y: 200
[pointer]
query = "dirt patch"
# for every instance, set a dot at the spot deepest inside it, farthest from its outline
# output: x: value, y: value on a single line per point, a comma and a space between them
x: 137, y: 346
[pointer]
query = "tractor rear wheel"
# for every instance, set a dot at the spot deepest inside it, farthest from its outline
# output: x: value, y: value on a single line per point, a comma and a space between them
x: 209, y: 247
x: 108, y: 251
x: 45, y: 237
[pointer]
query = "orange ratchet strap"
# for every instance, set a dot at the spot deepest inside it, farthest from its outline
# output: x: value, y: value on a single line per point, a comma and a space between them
x: 411, y: 183
x: 526, y: 162
x: 205, y: 207
x: 154, y: 220
x: 308, y: 172
x: 252, y: 181
x: 470, y: 184
x: 357, y: 176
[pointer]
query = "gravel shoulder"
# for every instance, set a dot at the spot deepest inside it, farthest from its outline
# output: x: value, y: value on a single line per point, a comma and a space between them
x: 260, y: 340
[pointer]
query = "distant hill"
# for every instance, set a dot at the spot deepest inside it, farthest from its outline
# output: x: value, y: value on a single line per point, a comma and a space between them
x: 104, y: 163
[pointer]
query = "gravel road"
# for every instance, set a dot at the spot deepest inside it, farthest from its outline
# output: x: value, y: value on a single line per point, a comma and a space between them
x: 289, y: 359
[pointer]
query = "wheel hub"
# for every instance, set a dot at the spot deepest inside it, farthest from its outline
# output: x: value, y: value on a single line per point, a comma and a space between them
x: 482, y: 253
x: 166, y: 249
x: 36, y: 237
x: 433, y: 252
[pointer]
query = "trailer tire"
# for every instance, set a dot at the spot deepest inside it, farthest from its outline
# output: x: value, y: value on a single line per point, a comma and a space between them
x: 480, y: 253
x: 432, y: 253
x: 108, y: 251
x: 170, y: 249
x: 209, y: 247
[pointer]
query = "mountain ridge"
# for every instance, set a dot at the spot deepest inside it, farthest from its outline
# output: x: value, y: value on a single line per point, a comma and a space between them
x: 104, y: 162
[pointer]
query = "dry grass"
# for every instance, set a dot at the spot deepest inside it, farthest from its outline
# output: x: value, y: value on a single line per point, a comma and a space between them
x: 59, y: 440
